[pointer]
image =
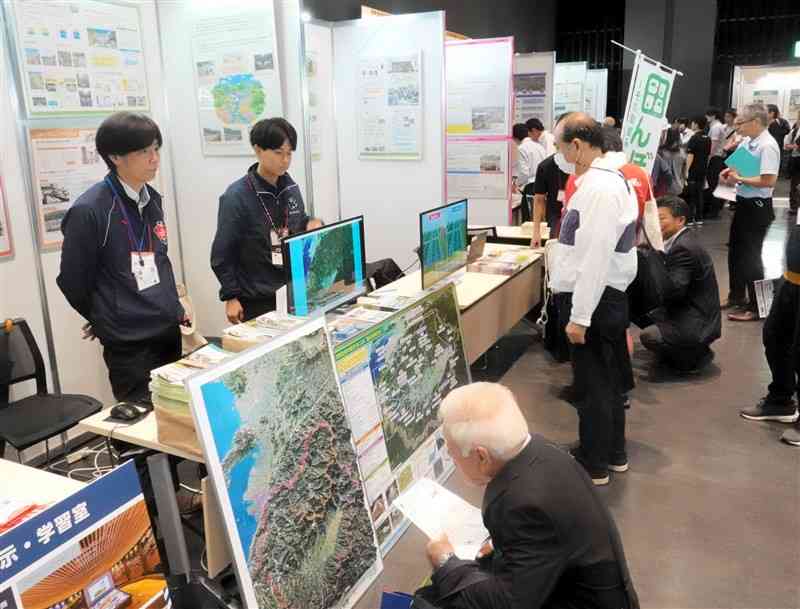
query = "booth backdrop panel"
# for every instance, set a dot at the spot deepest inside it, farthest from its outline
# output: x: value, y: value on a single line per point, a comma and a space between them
x: 79, y: 363
x: 321, y: 120
x: 390, y: 193
x: 756, y: 82
x: 532, y: 63
x: 200, y: 180
x: 484, y: 65
x: 570, y: 82
x: 596, y: 93
x: 19, y: 286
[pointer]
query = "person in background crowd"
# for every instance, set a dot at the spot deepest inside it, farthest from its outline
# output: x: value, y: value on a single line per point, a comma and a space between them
x: 115, y: 269
x: 540, y: 135
x: 610, y: 121
x: 754, y: 212
x: 594, y: 262
x: 548, y: 199
x: 792, y: 148
x: 781, y: 337
x: 689, y: 320
x: 683, y: 125
x: 697, y: 155
x: 553, y: 540
x: 255, y: 213
x: 529, y: 154
x: 667, y: 174
x: 730, y: 119
x: 716, y: 163
x: 778, y: 128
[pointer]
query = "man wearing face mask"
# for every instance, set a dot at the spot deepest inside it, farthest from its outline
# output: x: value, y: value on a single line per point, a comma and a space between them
x: 594, y: 262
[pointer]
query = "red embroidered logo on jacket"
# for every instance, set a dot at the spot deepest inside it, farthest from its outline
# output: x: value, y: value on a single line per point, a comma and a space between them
x: 160, y: 230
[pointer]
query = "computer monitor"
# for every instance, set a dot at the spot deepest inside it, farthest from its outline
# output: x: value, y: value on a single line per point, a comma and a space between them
x: 325, y: 267
x: 443, y: 241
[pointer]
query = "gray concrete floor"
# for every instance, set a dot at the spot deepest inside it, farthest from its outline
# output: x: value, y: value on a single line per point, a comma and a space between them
x: 710, y: 509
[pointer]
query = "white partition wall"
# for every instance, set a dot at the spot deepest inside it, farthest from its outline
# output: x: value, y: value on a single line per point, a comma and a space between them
x: 321, y: 119
x: 779, y: 85
x: 533, y: 87
x: 479, y: 119
x: 201, y: 179
x: 570, y: 82
x: 596, y: 93
x: 79, y: 364
x: 390, y: 191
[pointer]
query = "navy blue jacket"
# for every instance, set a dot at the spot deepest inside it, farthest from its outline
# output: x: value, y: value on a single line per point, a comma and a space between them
x: 241, y: 255
x: 96, y: 275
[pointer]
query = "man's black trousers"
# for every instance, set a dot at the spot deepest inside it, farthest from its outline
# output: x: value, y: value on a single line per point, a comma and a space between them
x: 129, y: 364
x: 748, y: 229
x: 600, y: 368
x: 781, y: 344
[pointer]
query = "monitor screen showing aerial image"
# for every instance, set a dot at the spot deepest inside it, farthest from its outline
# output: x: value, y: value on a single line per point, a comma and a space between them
x: 325, y: 267
x: 276, y: 440
x: 443, y: 239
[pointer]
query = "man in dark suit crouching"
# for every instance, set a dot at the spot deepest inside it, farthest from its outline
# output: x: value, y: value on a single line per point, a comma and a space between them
x: 690, y: 320
x: 553, y: 542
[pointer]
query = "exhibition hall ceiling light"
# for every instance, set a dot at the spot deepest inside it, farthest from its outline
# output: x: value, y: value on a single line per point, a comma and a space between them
x: 305, y: 16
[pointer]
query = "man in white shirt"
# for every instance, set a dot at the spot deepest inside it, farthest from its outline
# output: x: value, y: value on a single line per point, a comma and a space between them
x: 716, y: 131
x: 754, y: 211
x: 538, y: 134
x: 594, y: 262
x: 529, y: 155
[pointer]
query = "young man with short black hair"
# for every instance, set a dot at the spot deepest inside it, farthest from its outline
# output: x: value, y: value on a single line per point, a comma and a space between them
x: 529, y: 154
x: 115, y: 271
x: 697, y: 155
x: 255, y: 213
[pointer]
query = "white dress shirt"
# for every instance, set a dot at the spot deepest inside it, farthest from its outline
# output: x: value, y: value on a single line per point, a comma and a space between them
x: 530, y: 155
x: 142, y: 197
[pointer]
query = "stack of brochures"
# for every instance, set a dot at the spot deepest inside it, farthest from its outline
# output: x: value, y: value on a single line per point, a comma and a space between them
x: 266, y: 327
x: 166, y: 382
x: 507, y: 262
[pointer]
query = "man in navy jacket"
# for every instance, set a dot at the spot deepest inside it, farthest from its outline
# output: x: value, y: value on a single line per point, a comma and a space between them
x: 115, y: 270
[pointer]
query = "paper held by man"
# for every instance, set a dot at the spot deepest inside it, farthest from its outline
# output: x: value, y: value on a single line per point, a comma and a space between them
x: 437, y: 511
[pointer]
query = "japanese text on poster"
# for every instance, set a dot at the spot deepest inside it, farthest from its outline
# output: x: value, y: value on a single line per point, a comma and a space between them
x: 390, y: 116
x: 236, y: 72
x: 78, y: 57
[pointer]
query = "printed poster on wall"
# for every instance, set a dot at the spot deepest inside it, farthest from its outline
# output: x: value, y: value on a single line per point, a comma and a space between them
x: 530, y: 99
x: 6, y: 244
x: 65, y: 164
x: 235, y: 63
x: 767, y: 96
x: 477, y: 169
x: 794, y: 103
x: 390, y: 113
x: 314, y: 98
x: 79, y: 57
x: 569, y: 81
x: 479, y: 87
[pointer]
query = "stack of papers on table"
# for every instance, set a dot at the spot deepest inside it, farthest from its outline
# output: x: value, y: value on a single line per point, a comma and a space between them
x: 265, y: 327
x: 388, y: 301
x: 166, y: 382
x: 437, y: 511
x: 354, y: 321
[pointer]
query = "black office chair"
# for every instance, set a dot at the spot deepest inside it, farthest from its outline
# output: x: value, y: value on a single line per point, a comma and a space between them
x: 39, y: 417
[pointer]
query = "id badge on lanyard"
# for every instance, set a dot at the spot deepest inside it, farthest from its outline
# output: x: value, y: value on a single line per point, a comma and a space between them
x: 144, y: 269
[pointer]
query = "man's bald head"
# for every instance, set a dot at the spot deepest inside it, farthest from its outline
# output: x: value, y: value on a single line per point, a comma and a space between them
x: 484, y: 415
x: 580, y: 126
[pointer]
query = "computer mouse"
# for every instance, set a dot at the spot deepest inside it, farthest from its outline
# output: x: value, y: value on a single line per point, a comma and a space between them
x: 125, y: 412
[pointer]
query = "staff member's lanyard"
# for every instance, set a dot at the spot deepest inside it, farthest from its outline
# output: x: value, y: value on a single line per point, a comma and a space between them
x: 280, y: 232
x: 131, y: 235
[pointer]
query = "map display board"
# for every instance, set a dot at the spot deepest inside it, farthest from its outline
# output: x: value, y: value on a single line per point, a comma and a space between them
x: 79, y: 57
x: 275, y: 438
x: 394, y: 376
x: 95, y: 549
x: 235, y: 63
x: 477, y: 169
x: 65, y: 164
x: 390, y: 112
x: 325, y: 267
x: 443, y: 241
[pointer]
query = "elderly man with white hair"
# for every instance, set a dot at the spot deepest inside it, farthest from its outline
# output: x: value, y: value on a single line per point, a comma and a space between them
x: 553, y: 542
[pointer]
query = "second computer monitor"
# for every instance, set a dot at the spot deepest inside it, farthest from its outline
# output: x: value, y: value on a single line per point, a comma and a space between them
x: 443, y: 241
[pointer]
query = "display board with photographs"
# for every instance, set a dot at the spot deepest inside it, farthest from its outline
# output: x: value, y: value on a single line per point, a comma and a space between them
x: 237, y: 77
x: 80, y: 57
